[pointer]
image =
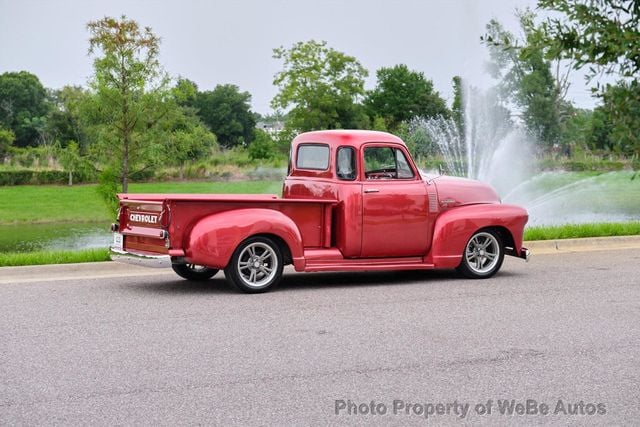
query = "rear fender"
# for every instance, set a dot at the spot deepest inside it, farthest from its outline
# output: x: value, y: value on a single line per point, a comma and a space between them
x: 454, y: 228
x: 213, y: 239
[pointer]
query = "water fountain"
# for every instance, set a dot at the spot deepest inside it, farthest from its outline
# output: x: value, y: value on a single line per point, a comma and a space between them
x: 493, y: 149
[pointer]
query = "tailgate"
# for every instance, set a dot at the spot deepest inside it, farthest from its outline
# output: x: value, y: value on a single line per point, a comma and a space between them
x: 142, y: 227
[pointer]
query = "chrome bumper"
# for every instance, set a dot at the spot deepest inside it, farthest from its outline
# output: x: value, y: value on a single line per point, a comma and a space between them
x: 155, y: 261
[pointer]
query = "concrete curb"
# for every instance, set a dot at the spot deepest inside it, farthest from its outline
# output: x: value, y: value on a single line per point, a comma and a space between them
x: 79, y: 271
x: 583, y: 245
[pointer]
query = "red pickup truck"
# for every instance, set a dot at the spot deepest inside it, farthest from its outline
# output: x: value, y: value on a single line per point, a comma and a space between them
x: 352, y: 201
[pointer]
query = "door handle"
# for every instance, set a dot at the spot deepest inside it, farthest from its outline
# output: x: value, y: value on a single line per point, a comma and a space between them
x: 371, y: 190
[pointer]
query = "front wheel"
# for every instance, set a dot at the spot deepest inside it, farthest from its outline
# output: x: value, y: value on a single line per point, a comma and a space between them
x: 256, y: 265
x: 194, y: 272
x: 483, y: 255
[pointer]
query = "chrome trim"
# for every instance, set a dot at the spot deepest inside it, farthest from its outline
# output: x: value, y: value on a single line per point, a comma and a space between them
x: 154, y: 261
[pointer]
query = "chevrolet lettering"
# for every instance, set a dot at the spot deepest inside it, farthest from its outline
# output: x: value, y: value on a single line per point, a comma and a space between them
x: 352, y: 200
x: 149, y: 219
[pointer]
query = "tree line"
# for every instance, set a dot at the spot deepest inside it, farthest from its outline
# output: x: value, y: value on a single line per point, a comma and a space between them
x: 133, y: 117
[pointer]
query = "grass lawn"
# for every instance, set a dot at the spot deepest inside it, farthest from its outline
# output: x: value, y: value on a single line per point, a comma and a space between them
x: 81, y: 203
x: 575, y: 193
x: 11, y: 259
x: 573, y: 231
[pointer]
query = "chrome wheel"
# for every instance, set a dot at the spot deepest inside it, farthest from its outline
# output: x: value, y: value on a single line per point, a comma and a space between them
x: 483, y: 255
x: 257, y: 264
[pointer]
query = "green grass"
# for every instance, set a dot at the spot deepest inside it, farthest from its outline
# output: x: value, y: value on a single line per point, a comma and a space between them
x: 610, y: 192
x: 81, y: 203
x: 10, y: 259
x: 573, y: 231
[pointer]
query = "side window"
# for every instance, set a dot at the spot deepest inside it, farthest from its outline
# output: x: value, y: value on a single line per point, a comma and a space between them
x: 346, y: 163
x: 386, y: 163
x: 402, y: 166
x: 379, y: 163
x: 313, y: 156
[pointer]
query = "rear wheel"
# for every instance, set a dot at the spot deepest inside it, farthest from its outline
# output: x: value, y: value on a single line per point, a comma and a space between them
x: 483, y: 255
x: 194, y: 272
x: 256, y: 265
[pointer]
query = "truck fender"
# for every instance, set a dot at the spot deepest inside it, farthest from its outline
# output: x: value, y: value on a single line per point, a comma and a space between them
x: 213, y: 238
x: 454, y: 228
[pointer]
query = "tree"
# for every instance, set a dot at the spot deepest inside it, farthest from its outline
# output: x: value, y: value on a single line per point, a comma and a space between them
x: 184, y: 137
x: 602, y: 34
x: 70, y: 159
x: 401, y: 94
x: 6, y: 139
x: 65, y: 121
x: 577, y: 129
x: 621, y: 112
x: 321, y: 86
x: 129, y: 85
x: 23, y: 105
x: 227, y: 113
x: 526, y: 78
x: 185, y: 92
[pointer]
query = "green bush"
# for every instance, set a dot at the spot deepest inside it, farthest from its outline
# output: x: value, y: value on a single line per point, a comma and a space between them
x: 46, y: 176
x: 576, y: 166
x: 611, y: 165
x: 593, y: 165
x: 142, y: 176
x: 263, y: 147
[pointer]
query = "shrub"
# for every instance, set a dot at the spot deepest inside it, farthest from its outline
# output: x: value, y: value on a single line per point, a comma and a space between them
x: 263, y: 147
x: 45, y: 176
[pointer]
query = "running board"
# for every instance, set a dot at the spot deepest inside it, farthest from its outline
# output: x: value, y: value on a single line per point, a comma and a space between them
x: 328, y: 260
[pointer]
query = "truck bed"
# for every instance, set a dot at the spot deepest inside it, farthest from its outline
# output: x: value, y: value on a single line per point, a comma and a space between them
x: 144, y: 218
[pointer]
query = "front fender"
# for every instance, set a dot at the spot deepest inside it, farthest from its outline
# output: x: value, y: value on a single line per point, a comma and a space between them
x: 213, y: 239
x: 454, y: 228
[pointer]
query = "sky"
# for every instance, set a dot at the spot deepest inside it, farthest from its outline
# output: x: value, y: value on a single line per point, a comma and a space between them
x: 219, y: 42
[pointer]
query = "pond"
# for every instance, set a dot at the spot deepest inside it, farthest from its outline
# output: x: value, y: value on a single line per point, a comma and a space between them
x: 55, y: 236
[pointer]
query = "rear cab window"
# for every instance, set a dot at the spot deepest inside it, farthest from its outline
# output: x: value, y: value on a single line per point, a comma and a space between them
x: 313, y: 157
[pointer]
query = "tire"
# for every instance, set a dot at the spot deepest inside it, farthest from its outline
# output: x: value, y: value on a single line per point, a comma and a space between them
x: 194, y: 272
x: 256, y: 265
x: 483, y: 255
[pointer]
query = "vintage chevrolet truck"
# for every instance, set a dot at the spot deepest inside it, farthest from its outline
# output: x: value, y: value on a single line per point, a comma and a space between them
x: 352, y: 201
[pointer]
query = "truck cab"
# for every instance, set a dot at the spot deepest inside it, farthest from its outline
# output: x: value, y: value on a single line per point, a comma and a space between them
x: 383, y: 197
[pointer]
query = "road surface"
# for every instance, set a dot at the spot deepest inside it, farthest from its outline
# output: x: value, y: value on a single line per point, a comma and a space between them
x: 110, y: 344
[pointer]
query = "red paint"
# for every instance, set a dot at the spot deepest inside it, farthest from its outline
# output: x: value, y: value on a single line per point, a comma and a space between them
x: 325, y: 223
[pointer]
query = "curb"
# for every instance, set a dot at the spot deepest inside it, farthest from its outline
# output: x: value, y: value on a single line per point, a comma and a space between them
x: 585, y: 244
x: 77, y: 271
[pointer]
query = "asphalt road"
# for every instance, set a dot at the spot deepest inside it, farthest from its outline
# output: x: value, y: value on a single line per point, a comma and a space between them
x: 151, y: 349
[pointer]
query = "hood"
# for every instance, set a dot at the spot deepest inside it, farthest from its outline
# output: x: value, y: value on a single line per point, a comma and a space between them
x: 454, y: 191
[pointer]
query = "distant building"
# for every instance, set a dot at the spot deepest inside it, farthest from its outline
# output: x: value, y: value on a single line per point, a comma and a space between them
x: 272, y: 128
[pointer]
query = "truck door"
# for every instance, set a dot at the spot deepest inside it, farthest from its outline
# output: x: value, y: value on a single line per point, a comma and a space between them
x: 395, y: 208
